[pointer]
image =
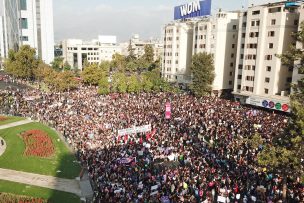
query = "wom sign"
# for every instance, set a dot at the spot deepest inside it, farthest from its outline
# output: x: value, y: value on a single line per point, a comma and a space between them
x: 193, y: 9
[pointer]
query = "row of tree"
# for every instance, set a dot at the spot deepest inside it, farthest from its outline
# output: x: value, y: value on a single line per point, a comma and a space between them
x: 25, y: 65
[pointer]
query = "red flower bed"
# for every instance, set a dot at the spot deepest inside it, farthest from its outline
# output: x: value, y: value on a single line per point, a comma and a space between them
x: 38, y: 143
x: 2, y: 118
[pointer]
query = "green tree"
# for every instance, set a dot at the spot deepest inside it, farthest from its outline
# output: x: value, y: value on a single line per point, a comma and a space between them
x: 92, y: 74
x: 147, y: 84
x: 22, y: 64
x: 118, y: 62
x: 119, y: 83
x: 66, y: 81
x: 133, y: 84
x: 284, y: 154
x: 57, y: 64
x: 149, y: 54
x: 66, y: 66
x: 202, y: 68
x: 131, y: 56
x: 105, y: 66
x: 104, y: 86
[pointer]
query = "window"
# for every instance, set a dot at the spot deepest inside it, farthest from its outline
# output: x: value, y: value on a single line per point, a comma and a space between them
x: 239, y: 77
x: 233, y: 45
x: 243, y: 35
x: 267, y: 80
x: 256, y: 12
x: 202, y: 46
x: 24, y: 24
x: 233, y: 36
x: 268, y: 68
x: 240, y: 66
x: 296, y: 22
x: 230, y: 73
x: 270, y: 45
x: 232, y: 55
x: 271, y: 34
x: 257, y: 23
x: 289, y: 80
x: 244, y: 24
x: 176, y: 62
x: 274, y: 10
x: 239, y: 87
x: 234, y: 27
x: 266, y: 91
x: 230, y: 82
x: 268, y: 57
x: 250, y: 78
x: 273, y: 22
x: 23, y: 5
x: 242, y: 56
x: 231, y: 64
x: 253, y: 23
x: 24, y: 38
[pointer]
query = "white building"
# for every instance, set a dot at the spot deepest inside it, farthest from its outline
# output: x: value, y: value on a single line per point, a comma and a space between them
x: 216, y: 35
x: 76, y: 52
x: 265, y: 31
x: 297, y: 75
x: 178, y: 43
x: 137, y: 45
x: 29, y: 22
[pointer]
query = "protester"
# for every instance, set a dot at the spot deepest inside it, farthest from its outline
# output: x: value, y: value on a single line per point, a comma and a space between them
x: 200, y: 154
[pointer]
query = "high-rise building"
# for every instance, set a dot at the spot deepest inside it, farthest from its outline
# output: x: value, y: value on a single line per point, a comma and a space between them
x: 216, y: 35
x: 265, y: 31
x: 29, y: 22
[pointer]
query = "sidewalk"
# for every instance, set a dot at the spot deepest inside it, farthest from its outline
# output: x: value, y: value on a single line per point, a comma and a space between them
x: 61, y: 184
x: 10, y: 125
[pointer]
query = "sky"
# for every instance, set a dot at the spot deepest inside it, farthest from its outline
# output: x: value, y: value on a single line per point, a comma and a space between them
x: 86, y: 19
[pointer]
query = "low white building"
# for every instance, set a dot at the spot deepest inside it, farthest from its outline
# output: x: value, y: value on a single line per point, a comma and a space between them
x: 76, y: 52
x: 137, y: 45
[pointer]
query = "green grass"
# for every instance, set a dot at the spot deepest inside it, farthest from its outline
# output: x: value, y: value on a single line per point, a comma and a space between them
x: 11, y: 119
x: 53, y: 196
x: 14, y: 158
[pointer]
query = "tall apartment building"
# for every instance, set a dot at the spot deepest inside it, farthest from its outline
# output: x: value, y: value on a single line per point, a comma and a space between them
x: 29, y: 22
x: 216, y: 35
x: 178, y: 47
x: 297, y: 75
x: 265, y: 31
x: 76, y: 51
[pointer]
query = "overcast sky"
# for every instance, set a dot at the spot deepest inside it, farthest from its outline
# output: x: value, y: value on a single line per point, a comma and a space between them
x: 86, y: 19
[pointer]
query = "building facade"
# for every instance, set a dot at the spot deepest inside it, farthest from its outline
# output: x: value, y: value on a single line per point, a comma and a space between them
x: 29, y: 22
x: 215, y: 35
x: 76, y: 52
x: 265, y: 31
x: 137, y: 46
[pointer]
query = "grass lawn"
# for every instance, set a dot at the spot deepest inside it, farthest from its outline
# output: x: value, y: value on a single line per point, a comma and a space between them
x: 53, y: 196
x: 11, y: 119
x: 14, y: 158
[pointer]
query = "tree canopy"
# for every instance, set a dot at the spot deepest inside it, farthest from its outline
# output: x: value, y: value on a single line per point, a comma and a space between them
x: 23, y: 63
x: 202, y: 68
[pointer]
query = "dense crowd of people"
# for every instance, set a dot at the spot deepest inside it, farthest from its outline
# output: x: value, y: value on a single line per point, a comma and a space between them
x: 199, y: 154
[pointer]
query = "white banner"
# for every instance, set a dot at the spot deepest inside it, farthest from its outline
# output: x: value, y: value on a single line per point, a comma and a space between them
x: 139, y: 129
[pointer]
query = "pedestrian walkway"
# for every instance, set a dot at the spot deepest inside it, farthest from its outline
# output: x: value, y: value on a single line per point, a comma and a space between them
x: 2, y: 146
x: 61, y: 184
x: 10, y: 125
